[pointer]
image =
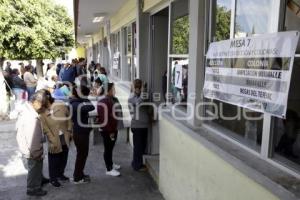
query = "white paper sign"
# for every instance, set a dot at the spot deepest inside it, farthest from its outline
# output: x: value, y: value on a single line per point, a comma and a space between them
x: 116, y: 60
x: 252, y: 72
x: 178, y: 76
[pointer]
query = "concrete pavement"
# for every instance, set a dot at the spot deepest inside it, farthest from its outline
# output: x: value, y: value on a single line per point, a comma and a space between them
x: 131, y: 185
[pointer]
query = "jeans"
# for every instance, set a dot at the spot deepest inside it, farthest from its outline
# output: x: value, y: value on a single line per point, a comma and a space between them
x: 34, y: 177
x: 140, y: 136
x: 109, y: 145
x: 31, y: 91
x: 57, y: 163
x: 82, y: 146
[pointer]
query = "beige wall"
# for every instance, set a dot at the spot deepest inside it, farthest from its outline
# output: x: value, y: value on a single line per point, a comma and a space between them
x: 149, y: 4
x: 124, y: 16
x: 190, y: 171
x: 98, y: 36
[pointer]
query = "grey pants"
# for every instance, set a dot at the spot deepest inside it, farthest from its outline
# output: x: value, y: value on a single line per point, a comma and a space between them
x: 34, y: 177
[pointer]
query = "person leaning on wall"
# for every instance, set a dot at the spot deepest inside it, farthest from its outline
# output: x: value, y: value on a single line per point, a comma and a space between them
x: 139, y: 124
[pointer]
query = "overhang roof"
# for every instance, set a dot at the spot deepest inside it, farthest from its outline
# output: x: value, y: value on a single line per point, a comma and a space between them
x: 84, y: 12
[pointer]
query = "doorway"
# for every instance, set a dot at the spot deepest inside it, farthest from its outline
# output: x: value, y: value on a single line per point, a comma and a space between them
x: 158, y: 68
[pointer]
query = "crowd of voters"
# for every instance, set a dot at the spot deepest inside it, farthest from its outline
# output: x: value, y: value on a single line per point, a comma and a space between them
x: 55, y: 110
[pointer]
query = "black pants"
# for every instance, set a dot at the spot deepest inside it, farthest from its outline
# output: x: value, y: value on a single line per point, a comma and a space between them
x: 140, y: 136
x: 109, y: 144
x: 82, y: 146
x: 57, y: 163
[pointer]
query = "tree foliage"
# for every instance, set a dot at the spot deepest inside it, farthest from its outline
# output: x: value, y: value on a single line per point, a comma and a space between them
x: 222, y: 23
x: 34, y: 29
x: 180, y: 44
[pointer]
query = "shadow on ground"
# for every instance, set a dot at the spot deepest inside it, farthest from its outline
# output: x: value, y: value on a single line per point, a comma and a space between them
x: 131, y: 185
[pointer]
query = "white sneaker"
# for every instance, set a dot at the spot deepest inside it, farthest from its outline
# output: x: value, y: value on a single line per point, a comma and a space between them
x: 116, y: 167
x: 113, y: 172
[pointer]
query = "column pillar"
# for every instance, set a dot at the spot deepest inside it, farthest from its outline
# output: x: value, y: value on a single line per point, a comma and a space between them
x: 196, y: 60
x: 143, y: 41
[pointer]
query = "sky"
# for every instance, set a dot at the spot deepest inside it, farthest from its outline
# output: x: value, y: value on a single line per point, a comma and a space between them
x: 225, y: 3
x: 250, y: 13
x: 68, y: 4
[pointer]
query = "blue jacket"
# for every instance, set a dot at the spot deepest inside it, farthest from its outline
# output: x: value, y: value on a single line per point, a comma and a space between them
x: 68, y: 74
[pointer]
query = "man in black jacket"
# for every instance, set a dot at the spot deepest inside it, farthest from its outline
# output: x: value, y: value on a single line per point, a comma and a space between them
x: 81, y: 107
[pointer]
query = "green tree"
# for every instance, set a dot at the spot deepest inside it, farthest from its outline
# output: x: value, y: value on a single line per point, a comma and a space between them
x: 180, y: 41
x: 222, y: 23
x: 34, y: 29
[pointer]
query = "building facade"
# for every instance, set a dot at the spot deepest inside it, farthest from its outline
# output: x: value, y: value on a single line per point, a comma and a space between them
x: 191, y: 157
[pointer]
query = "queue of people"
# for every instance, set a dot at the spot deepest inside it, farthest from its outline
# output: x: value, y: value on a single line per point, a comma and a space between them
x: 60, y: 116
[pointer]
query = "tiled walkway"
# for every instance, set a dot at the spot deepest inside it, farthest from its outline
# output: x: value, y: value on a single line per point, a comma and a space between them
x: 131, y: 185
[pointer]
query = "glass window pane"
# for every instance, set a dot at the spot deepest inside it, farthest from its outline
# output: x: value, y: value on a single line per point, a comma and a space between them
x: 134, y: 38
x: 286, y: 140
x: 241, y: 124
x: 180, y: 27
x: 292, y: 20
x: 221, y: 25
x: 129, y: 40
x: 179, y: 80
x: 252, y: 17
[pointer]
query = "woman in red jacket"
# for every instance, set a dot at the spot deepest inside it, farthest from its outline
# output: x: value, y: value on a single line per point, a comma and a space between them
x: 108, y: 114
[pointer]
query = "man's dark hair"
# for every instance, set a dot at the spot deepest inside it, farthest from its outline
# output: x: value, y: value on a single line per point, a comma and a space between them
x: 84, y: 91
x: 15, y: 71
x: 103, y: 70
x: 27, y: 68
x: 48, y: 96
x: 137, y: 83
x: 98, y: 80
x: 110, y: 86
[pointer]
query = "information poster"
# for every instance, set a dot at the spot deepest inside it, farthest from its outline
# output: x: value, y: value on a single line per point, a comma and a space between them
x: 252, y: 72
x: 116, y: 60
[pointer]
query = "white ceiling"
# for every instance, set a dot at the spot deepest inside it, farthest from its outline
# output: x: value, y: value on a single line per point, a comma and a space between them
x: 86, y: 12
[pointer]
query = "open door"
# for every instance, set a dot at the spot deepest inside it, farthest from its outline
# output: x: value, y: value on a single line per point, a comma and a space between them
x: 159, y: 65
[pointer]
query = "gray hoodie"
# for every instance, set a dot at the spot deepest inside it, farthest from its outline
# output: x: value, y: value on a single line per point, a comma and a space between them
x: 139, y: 110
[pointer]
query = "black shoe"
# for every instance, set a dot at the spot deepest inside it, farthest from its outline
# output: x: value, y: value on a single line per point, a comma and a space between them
x: 55, y: 183
x: 45, y: 181
x: 143, y: 169
x: 37, y: 193
x: 85, y: 179
x: 64, y: 178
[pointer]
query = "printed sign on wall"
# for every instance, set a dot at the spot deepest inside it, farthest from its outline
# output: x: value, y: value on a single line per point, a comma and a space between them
x: 252, y: 72
x: 116, y: 60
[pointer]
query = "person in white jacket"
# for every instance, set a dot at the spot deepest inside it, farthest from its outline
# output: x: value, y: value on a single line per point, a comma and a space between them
x: 30, y: 139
